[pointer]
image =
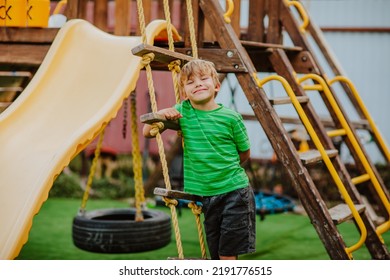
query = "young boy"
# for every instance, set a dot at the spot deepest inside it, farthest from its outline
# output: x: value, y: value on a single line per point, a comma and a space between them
x: 215, y: 145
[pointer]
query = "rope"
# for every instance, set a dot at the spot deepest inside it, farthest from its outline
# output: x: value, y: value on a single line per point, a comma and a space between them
x: 137, y: 162
x: 92, y: 172
x: 146, y: 59
x: 191, y: 24
x: 174, y: 67
x: 197, y: 211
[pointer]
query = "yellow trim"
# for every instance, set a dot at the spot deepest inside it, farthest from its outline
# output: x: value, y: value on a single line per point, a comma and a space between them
x: 325, y: 157
x: 336, y: 132
x: 302, y: 13
x: 59, y: 6
x: 371, y: 122
x: 229, y: 11
x: 354, y: 143
x: 360, y: 179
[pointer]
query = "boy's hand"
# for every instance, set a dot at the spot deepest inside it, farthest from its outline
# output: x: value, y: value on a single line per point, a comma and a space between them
x: 170, y: 113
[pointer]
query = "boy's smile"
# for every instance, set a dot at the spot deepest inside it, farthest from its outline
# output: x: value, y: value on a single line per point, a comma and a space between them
x: 201, y: 92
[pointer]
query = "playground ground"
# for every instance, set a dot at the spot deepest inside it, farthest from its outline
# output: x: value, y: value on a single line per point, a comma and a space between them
x: 286, y: 236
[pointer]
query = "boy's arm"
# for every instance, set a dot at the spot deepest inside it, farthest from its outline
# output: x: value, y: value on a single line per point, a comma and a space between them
x: 168, y: 113
x: 244, y: 156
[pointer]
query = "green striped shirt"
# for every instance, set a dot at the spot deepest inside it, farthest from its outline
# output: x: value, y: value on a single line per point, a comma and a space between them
x: 212, y: 140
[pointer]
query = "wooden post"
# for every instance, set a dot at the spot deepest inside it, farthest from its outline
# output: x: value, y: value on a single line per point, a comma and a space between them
x: 274, y: 35
x: 256, y: 21
x: 121, y: 17
x: 100, y: 14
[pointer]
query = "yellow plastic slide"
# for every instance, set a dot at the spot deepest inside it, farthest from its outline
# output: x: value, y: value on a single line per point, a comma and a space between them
x: 79, y: 87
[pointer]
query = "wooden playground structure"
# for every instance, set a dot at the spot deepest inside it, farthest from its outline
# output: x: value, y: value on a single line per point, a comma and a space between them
x: 213, y: 33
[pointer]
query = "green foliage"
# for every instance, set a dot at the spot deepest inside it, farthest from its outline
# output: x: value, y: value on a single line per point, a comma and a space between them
x: 113, y: 189
x: 66, y: 185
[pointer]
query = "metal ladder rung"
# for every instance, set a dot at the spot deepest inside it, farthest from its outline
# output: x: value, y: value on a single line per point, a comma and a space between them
x: 287, y: 100
x: 337, y: 132
x: 314, y: 156
x: 313, y: 87
x: 341, y: 213
x: 360, y: 179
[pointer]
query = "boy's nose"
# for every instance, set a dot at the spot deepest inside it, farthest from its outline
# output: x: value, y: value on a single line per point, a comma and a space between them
x: 198, y: 83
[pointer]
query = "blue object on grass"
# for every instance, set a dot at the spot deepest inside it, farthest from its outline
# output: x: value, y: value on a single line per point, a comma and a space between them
x: 271, y: 203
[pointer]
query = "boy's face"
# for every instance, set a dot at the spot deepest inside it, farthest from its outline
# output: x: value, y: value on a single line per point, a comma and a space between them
x: 200, y: 89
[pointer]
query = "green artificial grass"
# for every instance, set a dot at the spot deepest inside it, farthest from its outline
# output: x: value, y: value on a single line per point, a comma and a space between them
x: 284, y: 236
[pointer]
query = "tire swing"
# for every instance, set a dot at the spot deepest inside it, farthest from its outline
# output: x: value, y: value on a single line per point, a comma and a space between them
x: 128, y: 230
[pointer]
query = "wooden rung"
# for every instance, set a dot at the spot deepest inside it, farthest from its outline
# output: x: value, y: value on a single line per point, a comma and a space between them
x: 287, y: 100
x: 177, y: 194
x: 19, y: 74
x: 314, y: 156
x: 4, y: 105
x: 151, y: 118
x: 162, y: 56
x: 11, y: 89
x: 341, y: 213
x: 252, y: 44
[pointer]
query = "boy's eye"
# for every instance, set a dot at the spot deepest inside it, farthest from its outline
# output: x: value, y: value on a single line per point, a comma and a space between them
x: 189, y: 82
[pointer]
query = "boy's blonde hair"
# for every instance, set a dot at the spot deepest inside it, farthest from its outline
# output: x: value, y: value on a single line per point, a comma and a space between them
x: 197, y: 67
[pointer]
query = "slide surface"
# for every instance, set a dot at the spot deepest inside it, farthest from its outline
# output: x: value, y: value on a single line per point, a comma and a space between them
x: 79, y: 87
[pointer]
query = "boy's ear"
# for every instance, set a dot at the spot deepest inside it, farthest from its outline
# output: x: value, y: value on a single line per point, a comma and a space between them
x: 217, y: 87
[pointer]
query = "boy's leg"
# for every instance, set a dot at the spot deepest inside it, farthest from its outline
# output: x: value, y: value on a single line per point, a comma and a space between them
x: 230, y: 223
x: 212, y: 214
x: 238, y: 224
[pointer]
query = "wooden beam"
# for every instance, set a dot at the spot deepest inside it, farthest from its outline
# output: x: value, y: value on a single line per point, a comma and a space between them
x: 23, y: 54
x: 256, y: 24
x: 27, y: 35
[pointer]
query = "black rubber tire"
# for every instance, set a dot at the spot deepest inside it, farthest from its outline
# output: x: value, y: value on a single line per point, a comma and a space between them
x: 115, y: 231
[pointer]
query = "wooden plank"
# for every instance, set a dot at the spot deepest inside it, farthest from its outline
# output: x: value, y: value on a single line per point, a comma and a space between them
x: 287, y: 100
x: 314, y: 156
x: 302, y: 61
x: 16, y: 74
x: 225, y: 60
x: 341, y: 212
x: 27, y: 35
x: 24, y: 54
x: 162, y: 56
x: 11, y: 89
x: 177, y: 194
x: 261, y: 45
x: 4, y: 105
x: 151, y: 118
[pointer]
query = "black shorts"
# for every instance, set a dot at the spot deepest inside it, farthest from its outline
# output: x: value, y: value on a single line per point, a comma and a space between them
x: 230, y: 223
